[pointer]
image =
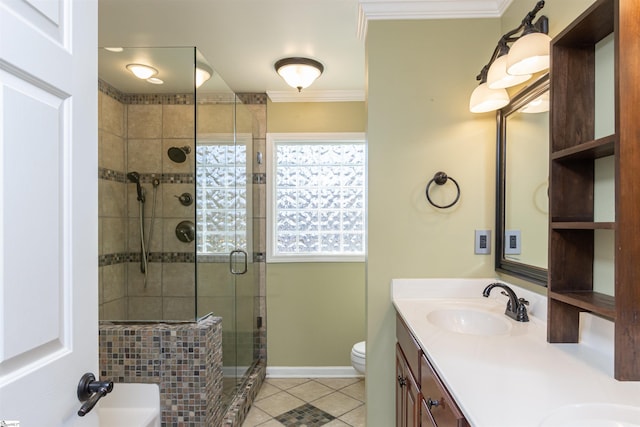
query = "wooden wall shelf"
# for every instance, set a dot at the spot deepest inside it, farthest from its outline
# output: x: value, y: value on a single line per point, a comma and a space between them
x: 572, y: 174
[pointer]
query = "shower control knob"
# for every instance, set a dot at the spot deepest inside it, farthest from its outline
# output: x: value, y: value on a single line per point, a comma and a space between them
x: 185, y: 199
x: 186, y: 231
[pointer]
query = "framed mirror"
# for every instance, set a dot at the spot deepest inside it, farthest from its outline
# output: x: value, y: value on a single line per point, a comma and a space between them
x: 522, y: 184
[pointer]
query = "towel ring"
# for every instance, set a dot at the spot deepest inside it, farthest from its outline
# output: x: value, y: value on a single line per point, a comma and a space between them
x: 441, y: 178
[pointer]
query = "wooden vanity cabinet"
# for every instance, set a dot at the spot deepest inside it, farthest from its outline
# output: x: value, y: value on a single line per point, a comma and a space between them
x: 421, y: 398
x: 436, y: 399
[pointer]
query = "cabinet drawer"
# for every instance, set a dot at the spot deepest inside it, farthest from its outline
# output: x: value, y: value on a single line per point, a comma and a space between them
x: 437, y: 400
x: 409, y: 346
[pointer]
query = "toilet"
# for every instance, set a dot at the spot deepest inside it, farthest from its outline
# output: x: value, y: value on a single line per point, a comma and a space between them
x: 358, y: 356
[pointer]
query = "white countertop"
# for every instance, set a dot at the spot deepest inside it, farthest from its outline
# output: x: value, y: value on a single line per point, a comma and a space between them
x: 516, y: 379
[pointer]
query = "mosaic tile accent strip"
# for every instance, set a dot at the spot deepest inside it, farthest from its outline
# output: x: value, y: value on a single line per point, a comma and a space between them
x: 136, y: 98
x: 253, y: 98
x: 164, y: 257
x: 147, y: 178
x: 184, y: 358
x: 305, y: 415
x: 247, y: 392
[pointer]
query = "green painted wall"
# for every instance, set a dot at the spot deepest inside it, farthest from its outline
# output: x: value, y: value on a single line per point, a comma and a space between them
x: 315, y: 311
x: 420, y: 76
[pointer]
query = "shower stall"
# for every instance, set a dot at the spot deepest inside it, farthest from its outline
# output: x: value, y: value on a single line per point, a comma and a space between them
x: 181, y: 216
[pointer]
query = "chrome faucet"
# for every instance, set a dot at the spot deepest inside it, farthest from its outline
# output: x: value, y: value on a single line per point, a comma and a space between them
x: 516, y: 307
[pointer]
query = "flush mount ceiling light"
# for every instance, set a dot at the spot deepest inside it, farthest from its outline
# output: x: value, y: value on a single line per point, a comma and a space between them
x: 114, y: 49
x: 203, y: 73
x: 510, y: 66
x: 142, y: 71
x: 155, y: 81
x: 299, y: 72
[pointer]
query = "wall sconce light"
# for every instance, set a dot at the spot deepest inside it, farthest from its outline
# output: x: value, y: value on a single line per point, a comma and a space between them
x: 203, y: 73
x: 510, y: 66
x: 299, y: 72
x: 142, y: 71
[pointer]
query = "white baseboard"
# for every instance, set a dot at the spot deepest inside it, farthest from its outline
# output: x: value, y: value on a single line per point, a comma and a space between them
x: 312, y: 372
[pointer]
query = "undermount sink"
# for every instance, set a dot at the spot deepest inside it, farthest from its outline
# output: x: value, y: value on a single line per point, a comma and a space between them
x: 594, y: 415
x: 470, y: 321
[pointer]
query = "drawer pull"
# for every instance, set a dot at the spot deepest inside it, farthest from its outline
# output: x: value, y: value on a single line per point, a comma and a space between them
x: 431, y: 403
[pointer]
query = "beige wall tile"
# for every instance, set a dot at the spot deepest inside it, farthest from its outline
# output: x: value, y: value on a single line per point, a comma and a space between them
x: 114, y: 310
x: 177, y: 308
x: 133, y: 205
x: 111, y: 152
x: 112, y: 117
x: 144, y: 121
x: 133, y: 235
x: 135, y: 280
x: 215, y: 118
x: 214, y: 279
x: 220, y: 306
x: 111, y: 199
x: 178, y: 279
x: 144, y: 155
x: 113, y: 279
x: 178, y: 121
x: 113, y: 235
x: 259, y: 204
x: 145, y: 308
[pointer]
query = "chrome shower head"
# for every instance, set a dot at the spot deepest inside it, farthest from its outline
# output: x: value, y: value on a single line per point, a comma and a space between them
x: 179, y: 154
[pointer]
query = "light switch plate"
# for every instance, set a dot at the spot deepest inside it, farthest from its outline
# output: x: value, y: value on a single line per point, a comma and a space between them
x: 483, y: 242
x: 512, y: 242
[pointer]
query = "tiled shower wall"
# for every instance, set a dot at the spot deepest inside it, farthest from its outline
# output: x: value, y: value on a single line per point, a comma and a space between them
x: 135, y: 137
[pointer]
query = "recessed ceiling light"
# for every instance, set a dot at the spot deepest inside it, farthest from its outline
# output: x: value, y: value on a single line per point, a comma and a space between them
x: 142, y: 71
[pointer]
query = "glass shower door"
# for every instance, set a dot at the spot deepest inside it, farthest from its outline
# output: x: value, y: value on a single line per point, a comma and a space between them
x: 225, y: 287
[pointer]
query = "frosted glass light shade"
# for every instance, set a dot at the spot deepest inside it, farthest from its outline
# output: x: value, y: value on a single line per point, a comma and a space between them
x: 497, y: 77
x: 529, y: 54
x: 142, y: 71
x: 484, y: 99
x: 299, y: 72
x: 203, y: 73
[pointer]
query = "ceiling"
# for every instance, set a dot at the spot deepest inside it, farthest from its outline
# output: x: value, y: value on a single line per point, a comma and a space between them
x: 241, y: 39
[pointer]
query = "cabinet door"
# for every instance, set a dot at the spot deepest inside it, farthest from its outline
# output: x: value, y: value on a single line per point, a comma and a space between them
x: 437, y: 400
x: 401, y: 374
x: 412, y: 402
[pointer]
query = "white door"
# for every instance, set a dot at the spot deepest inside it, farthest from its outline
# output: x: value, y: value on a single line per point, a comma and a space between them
x: 48, y: 215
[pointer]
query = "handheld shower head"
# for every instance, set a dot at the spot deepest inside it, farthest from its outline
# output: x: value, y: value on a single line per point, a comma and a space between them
x: 135, y: 178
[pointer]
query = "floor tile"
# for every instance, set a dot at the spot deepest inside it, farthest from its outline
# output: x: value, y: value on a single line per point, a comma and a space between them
x: 310, y: 391
x: 309, y: 402
x: 355, y: 418
x: 287, y: 383
x: 336, y: 404
x: 306, y: 415
x: 278, y: 403
x: 256, y: 417
x: 336, y: 423
x: 355, y: 390
x: 267, y: 390
x: 338, y: 383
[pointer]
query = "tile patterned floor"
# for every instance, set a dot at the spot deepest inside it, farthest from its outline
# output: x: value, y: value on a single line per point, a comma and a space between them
x: 309, y: 402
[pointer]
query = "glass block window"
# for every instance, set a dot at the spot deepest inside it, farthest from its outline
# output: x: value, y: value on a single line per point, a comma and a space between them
x: 221, y: 197
x: 316, y: 197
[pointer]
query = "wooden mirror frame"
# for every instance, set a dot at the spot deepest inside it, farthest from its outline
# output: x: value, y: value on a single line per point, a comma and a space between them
x: 531, y: 273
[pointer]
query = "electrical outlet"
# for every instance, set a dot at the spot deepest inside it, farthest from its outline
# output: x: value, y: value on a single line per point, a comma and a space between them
x: 483, y: 242
x: 512, y: 242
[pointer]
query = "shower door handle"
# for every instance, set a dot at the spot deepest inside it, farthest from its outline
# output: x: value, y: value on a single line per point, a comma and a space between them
x: 231, y: 263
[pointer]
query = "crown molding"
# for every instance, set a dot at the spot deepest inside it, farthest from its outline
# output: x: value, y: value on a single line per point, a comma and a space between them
x: 426, y: 9
x: 316, y: 95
